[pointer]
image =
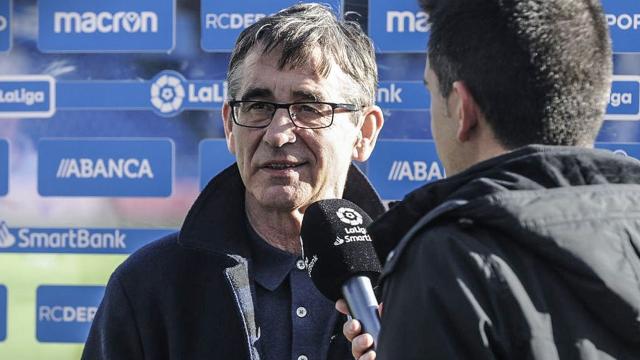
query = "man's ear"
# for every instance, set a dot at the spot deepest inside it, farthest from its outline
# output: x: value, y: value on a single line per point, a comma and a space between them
x: 368, y: 135
x: 227, y: 123
x: 465, y: 111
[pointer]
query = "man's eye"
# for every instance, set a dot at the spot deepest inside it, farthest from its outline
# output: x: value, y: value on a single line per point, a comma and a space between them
x: 309, y: 108
x: 257, y: 107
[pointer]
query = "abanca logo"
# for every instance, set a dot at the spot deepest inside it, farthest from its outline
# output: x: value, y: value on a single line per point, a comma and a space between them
x: 349, y: 216
x: 105, y: 22
x: 167, y: 94
x: 108, y: 169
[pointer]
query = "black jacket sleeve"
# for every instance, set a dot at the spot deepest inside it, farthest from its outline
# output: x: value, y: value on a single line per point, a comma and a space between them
x: 114, y: 334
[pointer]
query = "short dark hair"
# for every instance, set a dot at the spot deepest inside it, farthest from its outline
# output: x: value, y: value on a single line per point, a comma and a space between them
x: 540, y: 70
x: 301, y: 29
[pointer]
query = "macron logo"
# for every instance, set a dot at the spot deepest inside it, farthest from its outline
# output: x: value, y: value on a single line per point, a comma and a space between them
x: 105, y: 22
x: 104, y: 168
x: 415, y: 171
x: 401, y: 21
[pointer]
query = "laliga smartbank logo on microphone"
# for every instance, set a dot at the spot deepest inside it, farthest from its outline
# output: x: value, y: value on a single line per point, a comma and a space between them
x: 354, y: 233
x: 105, y: 167
x: 106, y: 26
x: 170, y: 93
x: 64, y: 313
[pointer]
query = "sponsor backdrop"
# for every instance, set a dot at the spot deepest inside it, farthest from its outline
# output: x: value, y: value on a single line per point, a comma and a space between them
x: 110, y: 125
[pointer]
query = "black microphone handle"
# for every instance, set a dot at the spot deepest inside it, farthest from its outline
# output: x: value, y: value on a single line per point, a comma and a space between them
x: 363, y: 305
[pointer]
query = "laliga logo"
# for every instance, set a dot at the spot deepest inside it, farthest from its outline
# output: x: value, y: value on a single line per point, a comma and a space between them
x: 349, y: 216
x: 167, y: 93
x: 6, y: 238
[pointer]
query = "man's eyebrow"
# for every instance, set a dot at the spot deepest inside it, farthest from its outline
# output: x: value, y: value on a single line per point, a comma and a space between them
x: 424, y: 80
x: 254, y: 93
x: 307, y: 95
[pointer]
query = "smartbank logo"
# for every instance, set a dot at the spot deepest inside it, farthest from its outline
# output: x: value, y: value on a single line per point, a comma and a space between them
x: 170, y: 93
x: 27, y: 96
x: 110, y: 26
x: 64, y: 313
x: 75, y: 240
x: 105, y: 167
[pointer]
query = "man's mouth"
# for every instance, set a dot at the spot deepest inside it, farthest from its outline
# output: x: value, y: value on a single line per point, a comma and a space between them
x: 282, y: 165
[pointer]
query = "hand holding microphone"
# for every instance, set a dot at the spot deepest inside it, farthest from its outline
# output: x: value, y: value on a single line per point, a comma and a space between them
x: 341, y: 259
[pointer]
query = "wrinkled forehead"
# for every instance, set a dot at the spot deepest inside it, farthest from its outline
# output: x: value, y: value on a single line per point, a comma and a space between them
x: 314, y: 74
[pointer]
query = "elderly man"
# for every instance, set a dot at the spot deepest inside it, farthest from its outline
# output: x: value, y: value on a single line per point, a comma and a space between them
x: 231, y: 284
x: 531, y: 248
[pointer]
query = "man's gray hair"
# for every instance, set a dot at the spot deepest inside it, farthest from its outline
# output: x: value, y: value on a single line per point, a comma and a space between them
x: 299, y: 31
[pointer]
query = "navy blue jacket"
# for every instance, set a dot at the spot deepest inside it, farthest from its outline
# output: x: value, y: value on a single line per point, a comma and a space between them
x: 190, y: 295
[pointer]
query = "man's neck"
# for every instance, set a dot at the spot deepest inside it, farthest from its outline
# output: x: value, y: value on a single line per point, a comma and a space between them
x: 280, y: 229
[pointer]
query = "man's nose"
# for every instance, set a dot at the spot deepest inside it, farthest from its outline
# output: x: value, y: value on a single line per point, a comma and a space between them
x: 281, y: 130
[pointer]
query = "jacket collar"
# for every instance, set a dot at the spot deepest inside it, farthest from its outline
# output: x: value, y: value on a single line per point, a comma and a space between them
x: 533, y: 167
x: 217, y: 222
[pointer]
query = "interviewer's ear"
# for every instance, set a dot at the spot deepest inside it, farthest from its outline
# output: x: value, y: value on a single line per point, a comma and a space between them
x: 227, y: 123
x: 465, y: 111
x: 368, y: 135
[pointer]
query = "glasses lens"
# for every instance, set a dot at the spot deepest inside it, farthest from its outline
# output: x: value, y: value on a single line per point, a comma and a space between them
x: 253, y: 113
x: 311, y: 115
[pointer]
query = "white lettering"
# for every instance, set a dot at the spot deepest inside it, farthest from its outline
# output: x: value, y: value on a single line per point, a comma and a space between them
x: 624, y: 21
x: 618, y: 99
x: 71, y: 238
x: 58, y: 313
x: 227, y: 21
x: 207, y: 94
x: 390, y: 94
x: 415, y: 171
x: 22, y: 96
x: 397, y: 21
x: 105, y: 22
x: 84, y: 168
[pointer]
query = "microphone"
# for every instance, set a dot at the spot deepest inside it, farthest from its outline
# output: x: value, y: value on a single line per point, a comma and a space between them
x: 341, y: 259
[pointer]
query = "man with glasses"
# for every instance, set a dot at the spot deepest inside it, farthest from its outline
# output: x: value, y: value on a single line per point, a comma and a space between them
x: 231, y: 284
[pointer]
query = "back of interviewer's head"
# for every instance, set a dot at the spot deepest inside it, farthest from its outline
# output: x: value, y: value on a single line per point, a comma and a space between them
x: 540, y: 70
x: 298, y: 33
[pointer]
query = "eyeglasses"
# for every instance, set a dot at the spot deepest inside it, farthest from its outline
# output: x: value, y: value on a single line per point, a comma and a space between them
x: 306, y: 115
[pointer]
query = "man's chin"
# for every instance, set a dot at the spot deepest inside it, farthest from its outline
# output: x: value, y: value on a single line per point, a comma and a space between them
x: 283, y: 198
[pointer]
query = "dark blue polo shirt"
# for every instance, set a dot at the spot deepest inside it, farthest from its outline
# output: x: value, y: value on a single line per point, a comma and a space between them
x: 295, y: 320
